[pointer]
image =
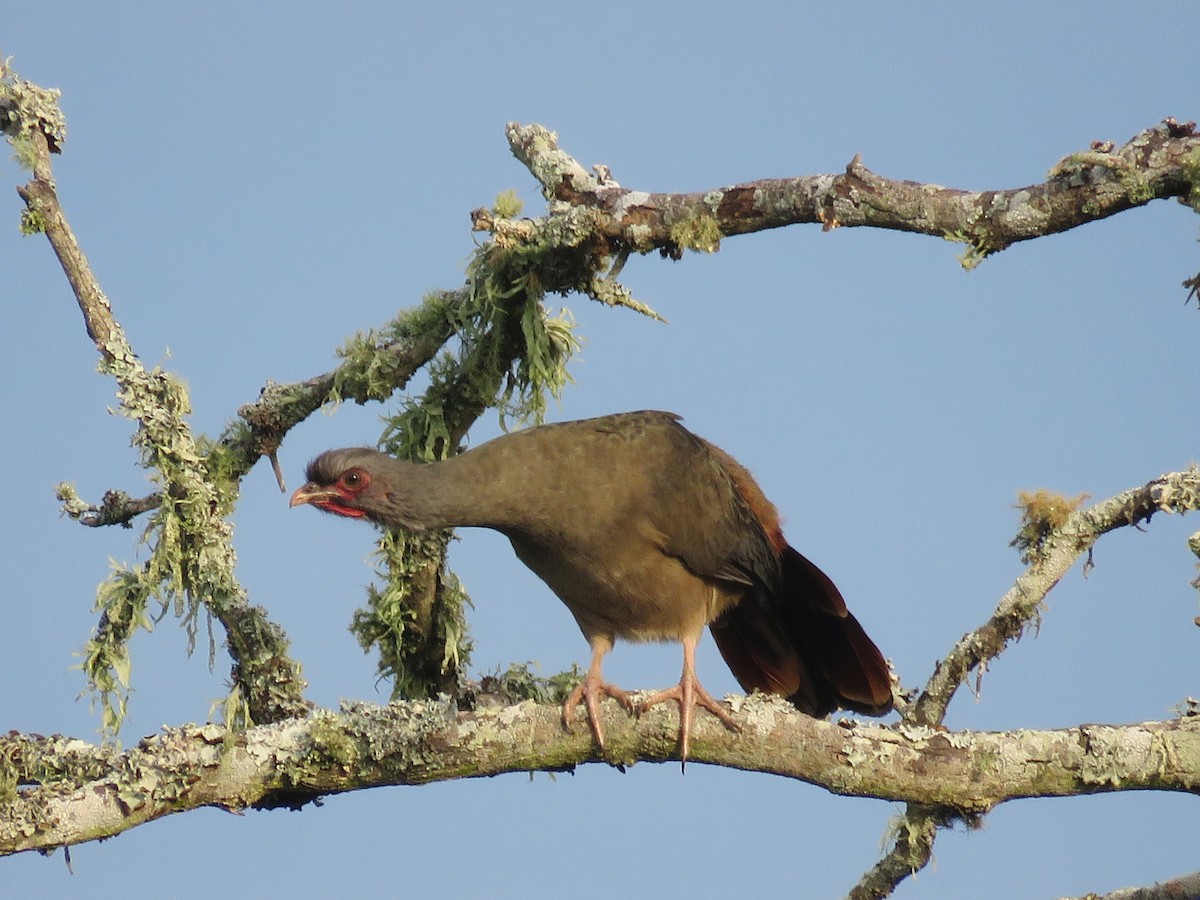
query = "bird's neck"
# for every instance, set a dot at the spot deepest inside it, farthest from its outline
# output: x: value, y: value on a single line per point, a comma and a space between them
x: 465, y: 490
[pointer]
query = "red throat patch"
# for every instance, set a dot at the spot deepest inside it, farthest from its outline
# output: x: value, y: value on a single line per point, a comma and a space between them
x: 338, y: 510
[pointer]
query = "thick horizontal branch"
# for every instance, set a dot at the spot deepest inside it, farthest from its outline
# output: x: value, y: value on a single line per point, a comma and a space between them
x: 1158, y: 163
x: 364, y: 746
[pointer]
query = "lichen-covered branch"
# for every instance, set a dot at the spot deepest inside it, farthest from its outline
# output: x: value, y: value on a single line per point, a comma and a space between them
x: 192, y: 558
x: 512, y: 356
x: 913, y: 834
x: 416, y: 742
x: 375, y: 365
x: 115, y: 508
x: 1054, y: 534
x: 1159, y: 163
x: 1052, y: 549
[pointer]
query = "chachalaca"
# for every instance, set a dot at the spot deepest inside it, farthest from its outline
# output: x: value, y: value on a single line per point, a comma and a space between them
x: 646, y: 532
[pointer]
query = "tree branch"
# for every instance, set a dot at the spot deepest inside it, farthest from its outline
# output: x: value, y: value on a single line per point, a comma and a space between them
x: 1158, y: 163
x: 1052, y: 547
x: 1054, y: 555
x: 265, y: 422
x: 411, y: 742
x: 200, y: 548
x: 912, y: 848
x: 115, y: 508
x: 398, y: 353
x: 73, y: 792
x: 1182, y: 888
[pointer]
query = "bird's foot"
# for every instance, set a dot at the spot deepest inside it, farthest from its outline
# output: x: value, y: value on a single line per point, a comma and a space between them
x: 689, y: 694
x: 591, y: 690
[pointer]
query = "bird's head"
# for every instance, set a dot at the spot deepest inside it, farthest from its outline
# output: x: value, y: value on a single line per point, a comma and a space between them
x: 345, y: 482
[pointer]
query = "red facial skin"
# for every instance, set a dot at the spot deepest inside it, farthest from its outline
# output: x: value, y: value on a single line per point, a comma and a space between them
x: 338, y: 498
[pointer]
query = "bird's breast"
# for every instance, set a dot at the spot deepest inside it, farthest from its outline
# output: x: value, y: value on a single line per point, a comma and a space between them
x: 629, y: 589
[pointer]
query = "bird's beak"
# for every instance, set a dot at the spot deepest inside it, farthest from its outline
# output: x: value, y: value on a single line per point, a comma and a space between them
x: 325, y: 498
x: 310, y: 493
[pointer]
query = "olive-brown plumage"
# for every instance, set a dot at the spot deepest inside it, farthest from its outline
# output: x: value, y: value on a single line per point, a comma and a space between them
x: 646, y: 532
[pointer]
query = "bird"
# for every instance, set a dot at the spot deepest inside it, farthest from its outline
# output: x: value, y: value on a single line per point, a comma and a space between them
x: 646, y: 532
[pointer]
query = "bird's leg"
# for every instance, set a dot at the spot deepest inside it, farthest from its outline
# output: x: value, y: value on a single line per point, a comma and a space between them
x: 592, y: 688
x: 690, y: 693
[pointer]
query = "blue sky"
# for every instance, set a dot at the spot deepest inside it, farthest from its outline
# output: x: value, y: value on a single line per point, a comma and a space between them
x: 254, y: 182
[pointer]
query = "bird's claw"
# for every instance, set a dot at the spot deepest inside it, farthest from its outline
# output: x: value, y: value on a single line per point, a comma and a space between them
x: 689, y: 694
x: 591, y: 691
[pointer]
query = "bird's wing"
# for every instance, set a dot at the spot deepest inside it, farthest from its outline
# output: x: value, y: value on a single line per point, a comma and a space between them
x: 706, y: 517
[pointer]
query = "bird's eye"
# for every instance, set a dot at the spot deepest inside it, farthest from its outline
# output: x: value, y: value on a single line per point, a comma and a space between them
x: 355, y: 479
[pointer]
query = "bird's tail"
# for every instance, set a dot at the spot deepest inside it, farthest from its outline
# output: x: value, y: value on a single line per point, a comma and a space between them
x: 804, y: 645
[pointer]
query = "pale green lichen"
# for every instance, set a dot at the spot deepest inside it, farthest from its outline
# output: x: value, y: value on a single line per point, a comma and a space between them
x: 976, y: 252
x: 508, y: 205
x: 1072, y: 166
x: 698, y: 231
x: 234, y: 711
x: 911, y: 837
x: 613, y: 293
x: 26, y: 108
x: 519, y: 682
x: 1105, y: 752
x: 369, y: 371
x: 1190, y: 169
x: 330, y: 742
x: 416, y: 618
x: 537, y: 147
x: 395, y: 736
x: 190, y: 569
x: 73, y: 505
x: 640, y: 237
x: 32, y: 222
